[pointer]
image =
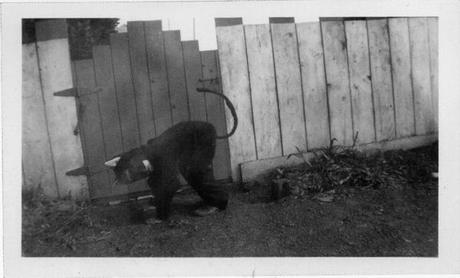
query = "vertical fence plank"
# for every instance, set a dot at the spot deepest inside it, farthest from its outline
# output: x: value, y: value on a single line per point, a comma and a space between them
x: 289, y: 86
x: 401, y: 69
x: 314, y: 84
x: 263, y: 91
x: 192, y: 66
x: 109, y: 112
x: 360, y: 83
x: 176, y: 76
x: 434, y: 64
x: 141, y: 81
x: 335, y: 56
x: 90, y: 123
x: 37, y: 160
x: 424, y: 122
x: 382, y: 86
x: 158, y: 78
x: 216, y: 113
x: 56, y: 75
x: 108, y: 100
x: 235, y: 83
x: 127, y: 109
x: 124, y: 91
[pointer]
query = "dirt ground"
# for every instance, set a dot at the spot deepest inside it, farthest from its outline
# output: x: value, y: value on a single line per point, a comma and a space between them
x: 393, y: 220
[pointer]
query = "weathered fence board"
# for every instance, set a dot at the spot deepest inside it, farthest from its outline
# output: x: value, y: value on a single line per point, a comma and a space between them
x: 360, y: 83
x: 140, y: 77
x: 434, y: 64
x: 402, y: 80
x: 192, y: 68
x: 337, y: 81
x: 108, y: 101
x: 109, y: 115
x: 90, y: 126
x: 37, y: 159
x: 235, y: 83
x: 90, y: 123
x: 382, y: 87
x: 124, y: 91
x: 55, y: 70
x: 215, y: 112
x: 158, y: 77
x: 126, y: 99
x: 176, y: 76
x: 418, y: 35
x: 89, y: 119
x: 263, y: 91
x: 289, y: 87
x: 314, y: 84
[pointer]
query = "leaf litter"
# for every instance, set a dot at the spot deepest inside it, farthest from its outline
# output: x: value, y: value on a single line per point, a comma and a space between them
x: 335, y: 167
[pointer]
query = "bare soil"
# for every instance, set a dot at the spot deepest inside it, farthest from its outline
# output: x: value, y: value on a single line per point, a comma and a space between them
x: 398, y: 219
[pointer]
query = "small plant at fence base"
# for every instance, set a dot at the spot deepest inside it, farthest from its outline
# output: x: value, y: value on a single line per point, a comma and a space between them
x: 337, y: 166
x: 52, y: 220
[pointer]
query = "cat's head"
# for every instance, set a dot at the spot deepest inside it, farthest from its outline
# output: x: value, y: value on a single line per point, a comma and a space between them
x: 130, y: 166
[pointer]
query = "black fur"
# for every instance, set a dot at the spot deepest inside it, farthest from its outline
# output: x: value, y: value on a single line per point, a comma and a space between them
x: 230, y: 106
x: 186, y: 149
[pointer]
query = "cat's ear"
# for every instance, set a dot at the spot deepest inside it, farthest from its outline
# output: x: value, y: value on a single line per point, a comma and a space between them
x: 113, y: 162
x: 147, y: 165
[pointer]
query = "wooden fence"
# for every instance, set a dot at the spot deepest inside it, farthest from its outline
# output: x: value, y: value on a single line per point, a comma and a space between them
x: 50, y: 144
x: 131, y: 90
x: 296, y: 86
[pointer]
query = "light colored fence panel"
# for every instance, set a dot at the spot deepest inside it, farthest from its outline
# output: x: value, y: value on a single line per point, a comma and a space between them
x: 418, y: 33
x: 382, y: 87
x: 37, y: 160
x: 314, y: 84
x: 263, y: 91
x: 337, y: 81
x: 235, y: 83
x: 360, y: 83
x: 402, y: 80
x: 434, y: 65
x: 158, y: 77
x: 289, y: 86
x: 141, y: 82
x: 56, y: 75
x: 345, y: 81
x: 176, y: 76
x: 192, y: 68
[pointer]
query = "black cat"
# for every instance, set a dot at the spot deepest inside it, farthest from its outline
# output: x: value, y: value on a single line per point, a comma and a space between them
x: 186, y: 149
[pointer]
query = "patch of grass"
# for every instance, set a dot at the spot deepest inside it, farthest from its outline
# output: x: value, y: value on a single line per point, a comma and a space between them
x: 47, y: 219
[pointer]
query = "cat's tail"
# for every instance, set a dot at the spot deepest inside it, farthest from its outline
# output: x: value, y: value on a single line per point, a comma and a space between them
x: 230, y: 106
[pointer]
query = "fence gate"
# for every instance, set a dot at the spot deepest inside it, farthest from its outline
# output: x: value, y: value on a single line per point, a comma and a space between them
x: 135, y: 88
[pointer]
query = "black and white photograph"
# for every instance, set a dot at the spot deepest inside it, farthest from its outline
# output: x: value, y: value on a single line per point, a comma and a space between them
x: 238, y: 131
